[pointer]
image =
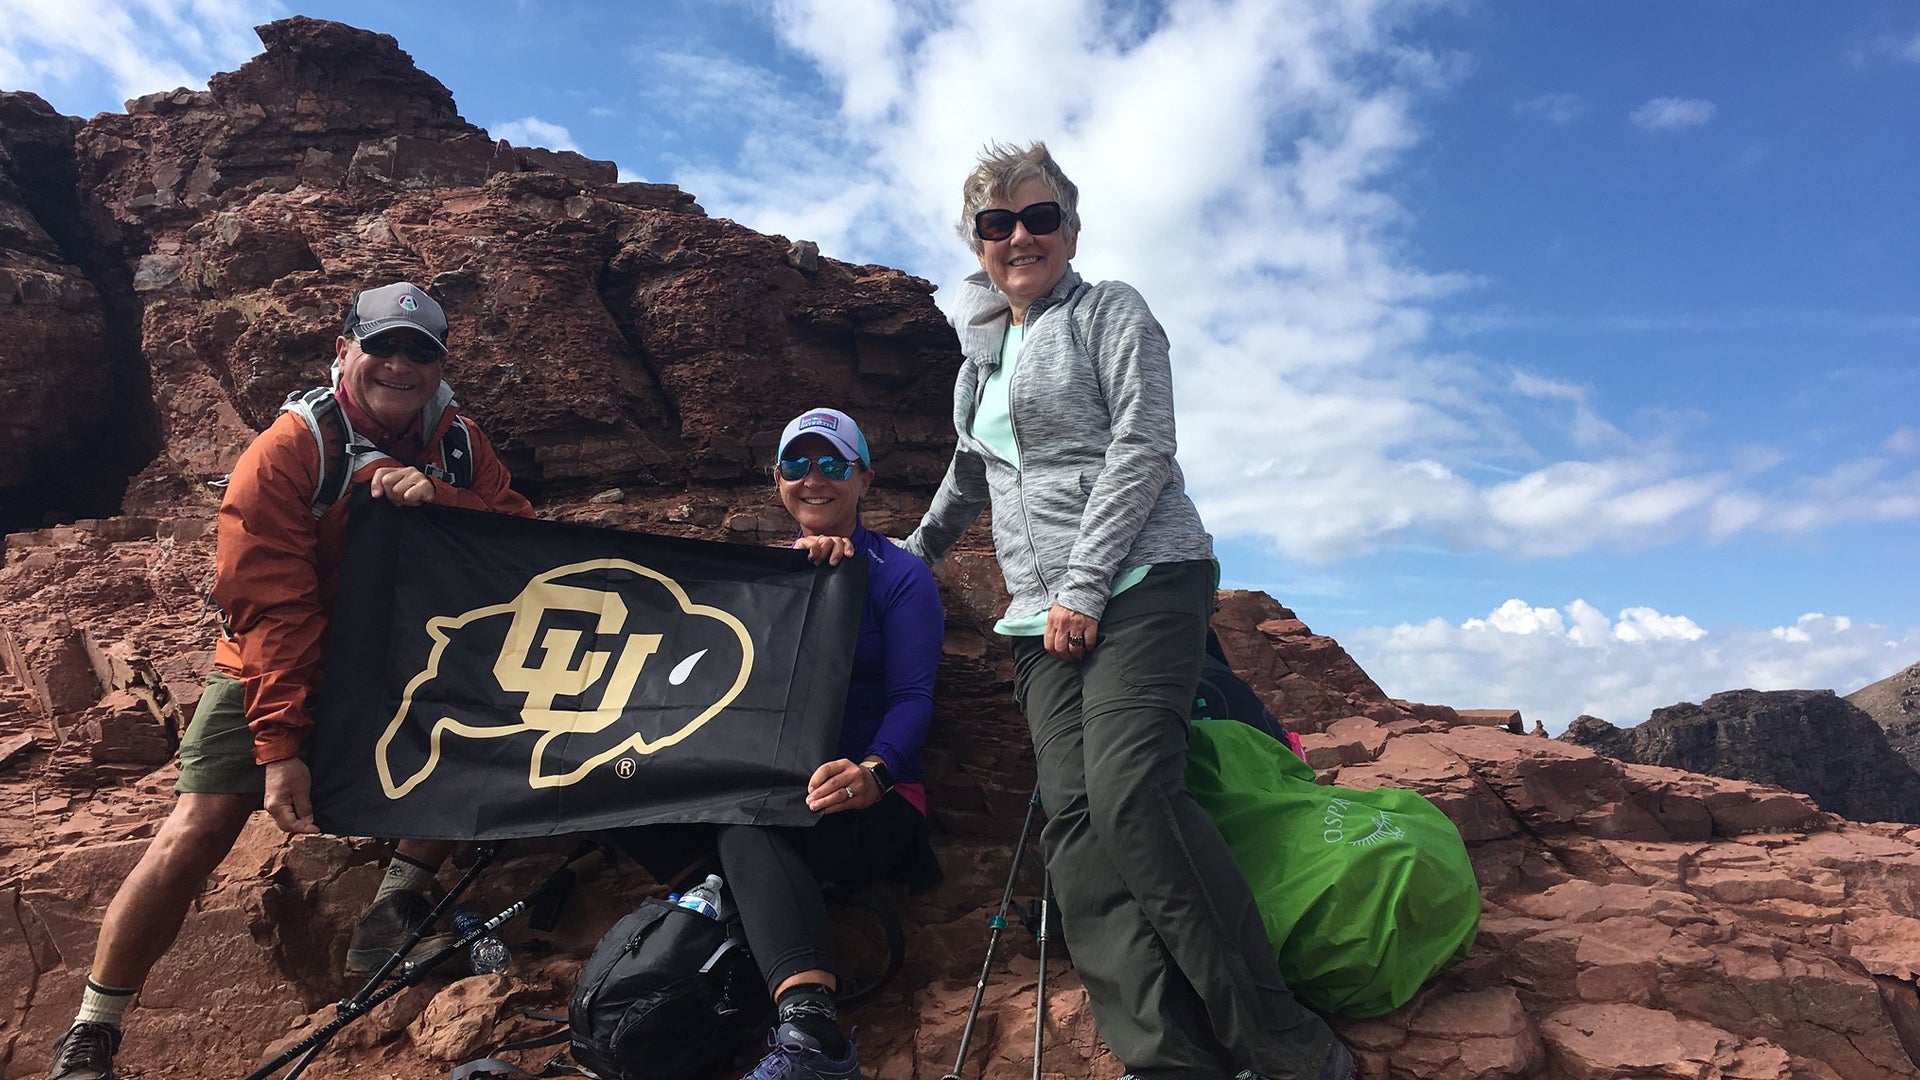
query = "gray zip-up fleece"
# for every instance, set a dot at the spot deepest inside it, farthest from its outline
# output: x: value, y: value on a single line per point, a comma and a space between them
x: 1097, y: 491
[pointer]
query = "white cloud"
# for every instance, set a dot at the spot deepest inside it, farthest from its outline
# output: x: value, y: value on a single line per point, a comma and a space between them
x: 1556, y: 108
x: 1590, y: 626
x: 1315, y: 412
x: 1898, y: 46
x: 1672, y: 114
x: 1645, y: 624
x: 1525, y: 656
x: 1518, y: 617
x: 1238, y: 161
x: 533, y: 131
x: 65, y: 49
x: 75, y: 52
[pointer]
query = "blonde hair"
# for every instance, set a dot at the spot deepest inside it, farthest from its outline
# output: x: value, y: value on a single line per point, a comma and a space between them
x: 1004, y: 167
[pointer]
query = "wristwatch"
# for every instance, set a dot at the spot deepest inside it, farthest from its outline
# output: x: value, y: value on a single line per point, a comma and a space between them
x: 881, y: 774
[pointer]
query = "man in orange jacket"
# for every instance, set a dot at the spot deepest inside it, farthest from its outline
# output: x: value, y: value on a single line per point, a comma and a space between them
x: 277, y: 568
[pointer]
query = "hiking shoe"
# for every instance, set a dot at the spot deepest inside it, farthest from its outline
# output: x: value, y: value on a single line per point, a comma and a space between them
x: 85, y: 1052
x: 1340, y: 1066
x: 385, y: 927
x: 798, y: 1056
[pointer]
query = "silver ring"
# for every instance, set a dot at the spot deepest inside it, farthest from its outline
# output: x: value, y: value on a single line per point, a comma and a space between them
x: 849, y: 790
x: 1077, y: 642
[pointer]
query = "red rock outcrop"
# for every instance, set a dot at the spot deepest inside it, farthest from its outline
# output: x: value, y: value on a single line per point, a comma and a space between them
x: 636, y: 358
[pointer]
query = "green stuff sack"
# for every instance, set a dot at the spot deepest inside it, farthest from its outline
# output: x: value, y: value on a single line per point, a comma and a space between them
x: 1366, y: 894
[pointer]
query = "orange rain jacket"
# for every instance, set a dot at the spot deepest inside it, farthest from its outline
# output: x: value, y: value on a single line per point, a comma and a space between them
x: 276, y: 569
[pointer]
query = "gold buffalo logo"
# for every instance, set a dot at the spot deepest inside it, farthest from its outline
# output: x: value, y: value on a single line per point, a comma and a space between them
x: 573, y: 649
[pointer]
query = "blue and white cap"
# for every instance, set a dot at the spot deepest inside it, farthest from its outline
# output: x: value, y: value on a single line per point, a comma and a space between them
x: 832, y: 425
x: 399, y: 306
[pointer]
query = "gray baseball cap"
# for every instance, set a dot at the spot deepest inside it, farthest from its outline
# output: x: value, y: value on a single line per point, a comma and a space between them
x: 399, y: 306
x: 833, y: 425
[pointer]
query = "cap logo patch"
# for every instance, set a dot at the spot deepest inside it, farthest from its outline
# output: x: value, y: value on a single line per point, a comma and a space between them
x: 407, y: 302
x: 820, y: 420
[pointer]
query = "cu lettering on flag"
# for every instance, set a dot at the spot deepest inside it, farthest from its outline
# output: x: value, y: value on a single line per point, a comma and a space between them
x: 600, y: 660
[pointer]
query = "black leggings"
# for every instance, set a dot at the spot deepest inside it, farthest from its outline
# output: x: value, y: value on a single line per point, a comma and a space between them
x: 775, y: 874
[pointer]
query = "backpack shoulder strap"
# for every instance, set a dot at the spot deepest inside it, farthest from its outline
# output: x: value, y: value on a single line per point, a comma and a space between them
x: 327, y: 422
x: 342, y: 449
x: 456, y: 453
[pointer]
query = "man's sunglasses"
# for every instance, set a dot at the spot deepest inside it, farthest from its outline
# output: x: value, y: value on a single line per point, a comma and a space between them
x: 1040, y: 219
x: 385, y: 346
x: 831, y: 467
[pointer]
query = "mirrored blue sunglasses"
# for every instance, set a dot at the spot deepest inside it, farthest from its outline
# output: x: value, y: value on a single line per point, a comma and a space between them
x: 831, y: 466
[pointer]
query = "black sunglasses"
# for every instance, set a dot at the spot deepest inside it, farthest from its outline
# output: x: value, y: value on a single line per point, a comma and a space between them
x: 1040, y: 219
x: 385, y: 346
x: 833, y: 468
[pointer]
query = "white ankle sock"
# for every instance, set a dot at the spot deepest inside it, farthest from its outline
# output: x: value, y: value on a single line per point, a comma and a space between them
x: 104, y: 1004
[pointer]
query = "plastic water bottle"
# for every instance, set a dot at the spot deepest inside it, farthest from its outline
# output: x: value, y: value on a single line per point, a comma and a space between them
x: 704, y: 898
x: 488, y: 955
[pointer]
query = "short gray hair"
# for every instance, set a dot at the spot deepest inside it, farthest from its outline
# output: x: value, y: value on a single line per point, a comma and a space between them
x: 1004, y: 167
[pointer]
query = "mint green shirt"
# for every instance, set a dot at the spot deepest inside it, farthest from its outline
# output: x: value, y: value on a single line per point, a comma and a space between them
x: 993, y: 420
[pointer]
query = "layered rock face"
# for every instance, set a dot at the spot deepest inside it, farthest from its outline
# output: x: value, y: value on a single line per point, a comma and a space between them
x: 76, y: 412
x: 1894, y: 702
x: 1809, y: 741
x: 610, y: 332
x: 636, y: 360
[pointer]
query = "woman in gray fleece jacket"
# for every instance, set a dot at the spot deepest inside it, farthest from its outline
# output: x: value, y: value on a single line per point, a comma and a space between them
x: 1064, y: 416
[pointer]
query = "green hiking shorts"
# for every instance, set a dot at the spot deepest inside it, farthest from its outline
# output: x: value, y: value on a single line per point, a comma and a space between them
x: 216, y: 753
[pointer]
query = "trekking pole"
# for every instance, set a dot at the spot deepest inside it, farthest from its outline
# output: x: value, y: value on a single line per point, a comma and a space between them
x: 998, y: 923
x: 414, y: 972
x: 483, y: 856
x: 1040, y: 987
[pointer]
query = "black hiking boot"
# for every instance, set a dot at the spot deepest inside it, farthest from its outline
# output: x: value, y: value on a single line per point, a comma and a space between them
x: 85, y: 1052
x: 385, y: 927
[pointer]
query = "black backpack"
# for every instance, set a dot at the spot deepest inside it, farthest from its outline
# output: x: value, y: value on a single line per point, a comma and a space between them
x: 1223, y: 695
x: 668, y: 994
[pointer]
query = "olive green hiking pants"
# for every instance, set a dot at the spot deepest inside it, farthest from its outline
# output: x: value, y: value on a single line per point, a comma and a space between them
x: 1162, y: 927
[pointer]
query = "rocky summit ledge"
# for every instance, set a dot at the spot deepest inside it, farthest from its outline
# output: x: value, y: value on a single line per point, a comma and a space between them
x: 176, y: 269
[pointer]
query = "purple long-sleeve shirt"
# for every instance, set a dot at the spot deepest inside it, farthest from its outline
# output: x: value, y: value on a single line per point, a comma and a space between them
x: 890, y: 698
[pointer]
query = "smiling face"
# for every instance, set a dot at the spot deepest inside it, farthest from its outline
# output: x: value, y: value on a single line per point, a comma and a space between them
x: 1025, y: 267
x: 820, y: 506
x: 392, y: 389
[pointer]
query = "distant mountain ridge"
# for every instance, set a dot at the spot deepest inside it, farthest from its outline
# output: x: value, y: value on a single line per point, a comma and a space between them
x: 1810, y: 741
x: 1895, y: 702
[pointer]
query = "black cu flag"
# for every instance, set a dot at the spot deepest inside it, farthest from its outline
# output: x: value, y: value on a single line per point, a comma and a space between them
x: 489, y: 676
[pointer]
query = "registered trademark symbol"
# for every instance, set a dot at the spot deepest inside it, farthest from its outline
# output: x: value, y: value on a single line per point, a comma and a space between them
x: 624, y: 768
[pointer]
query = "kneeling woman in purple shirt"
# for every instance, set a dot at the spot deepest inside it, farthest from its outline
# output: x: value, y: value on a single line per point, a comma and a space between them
x: 872, y: 798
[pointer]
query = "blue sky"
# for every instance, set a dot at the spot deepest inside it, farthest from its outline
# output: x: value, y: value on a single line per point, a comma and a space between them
x: 1558, y: 356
